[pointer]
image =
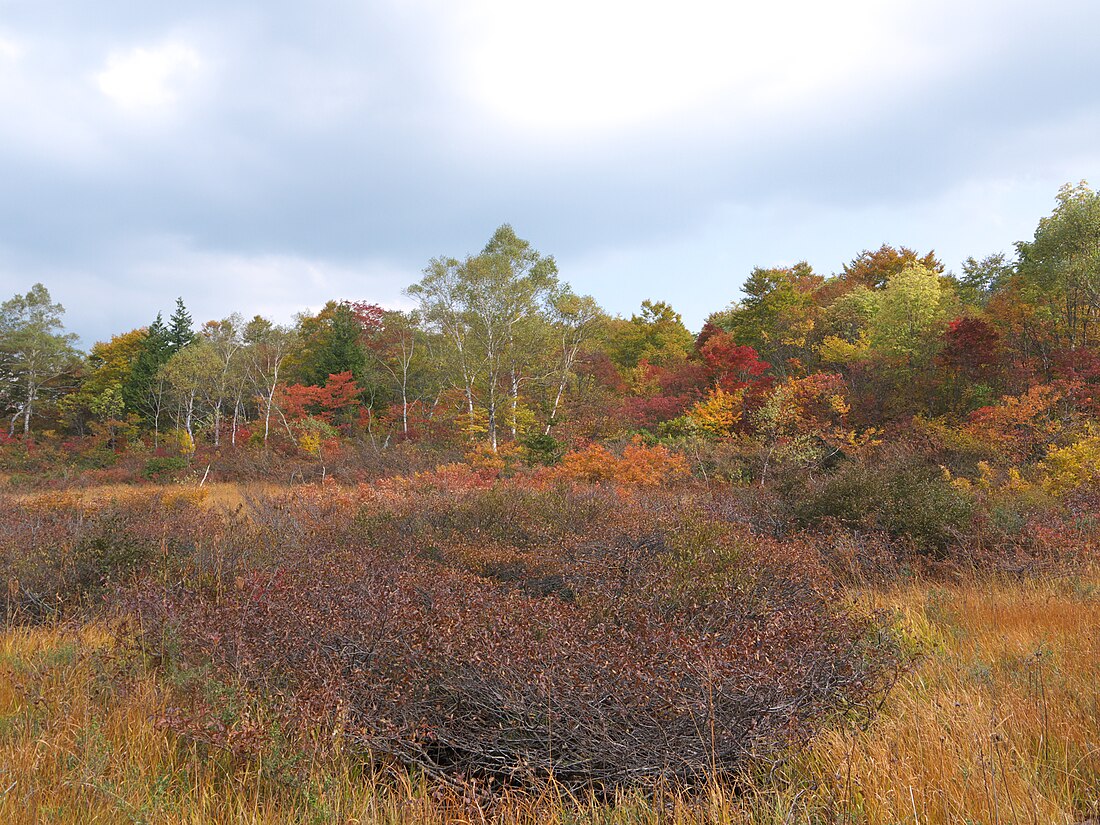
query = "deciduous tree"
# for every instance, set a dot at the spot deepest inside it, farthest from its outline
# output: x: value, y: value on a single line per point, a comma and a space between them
x: 34, y: 354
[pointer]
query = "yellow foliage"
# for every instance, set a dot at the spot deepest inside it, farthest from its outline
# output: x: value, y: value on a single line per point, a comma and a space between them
x: 182, y: 442
x: 960, y: 483
x: 1067, y: 468
x: 314, y: 434
x: 835, y: 350
x: 310, y: 442
x: 719, y: 412
x: 185, y: 496
x: 838, y: 405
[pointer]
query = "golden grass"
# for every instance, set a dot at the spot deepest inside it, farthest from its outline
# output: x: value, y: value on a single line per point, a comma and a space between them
x: 999, y: 723
x: 228, y: 495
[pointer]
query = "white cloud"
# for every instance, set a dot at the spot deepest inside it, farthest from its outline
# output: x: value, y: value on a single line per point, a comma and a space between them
x: 128, y: 288
x: 577, y: 66
x: 215, y: 282
x: 144, y: 78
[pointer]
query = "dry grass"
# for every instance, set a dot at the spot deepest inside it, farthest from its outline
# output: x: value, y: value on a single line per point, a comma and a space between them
x: 226, y: 495
x: 1000, y: 723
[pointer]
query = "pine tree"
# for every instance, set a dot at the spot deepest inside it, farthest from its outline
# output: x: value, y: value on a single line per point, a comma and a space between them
x: 179, y: 332
x: 139, y: 389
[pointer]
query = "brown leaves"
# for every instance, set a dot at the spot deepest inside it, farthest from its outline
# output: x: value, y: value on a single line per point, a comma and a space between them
x: 592, y: 636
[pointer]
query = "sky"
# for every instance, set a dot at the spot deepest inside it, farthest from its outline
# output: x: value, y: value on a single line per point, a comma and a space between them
x: 265, y: 157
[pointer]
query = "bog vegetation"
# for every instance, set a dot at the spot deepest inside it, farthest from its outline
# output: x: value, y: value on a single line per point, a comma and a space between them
x: 504, y: 557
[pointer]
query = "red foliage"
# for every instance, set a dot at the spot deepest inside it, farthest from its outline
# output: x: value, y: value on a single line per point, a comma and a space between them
x: 600, y: 369
x: 340, y: 394
x: 733, y: 366
x: 686, y: 378
x: 972, y: 348
x: 708, y: 331
x: 1080, y: 368
x: 370, y: 316
x: 647, y: 413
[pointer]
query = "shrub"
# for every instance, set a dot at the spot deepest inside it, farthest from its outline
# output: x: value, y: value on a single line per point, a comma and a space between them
x: 516, y: 635
x: 896, y: 493
x: 639, y: 465
x: 541, y: 448
x: 1073, y: 466
x: 164, y: 468
x: 59, y: 555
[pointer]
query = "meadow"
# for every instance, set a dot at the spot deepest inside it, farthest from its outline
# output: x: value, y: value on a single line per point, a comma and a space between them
x: 211, y: 654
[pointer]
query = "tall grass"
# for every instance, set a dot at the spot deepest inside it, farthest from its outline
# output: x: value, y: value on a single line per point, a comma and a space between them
x: 999, y: 723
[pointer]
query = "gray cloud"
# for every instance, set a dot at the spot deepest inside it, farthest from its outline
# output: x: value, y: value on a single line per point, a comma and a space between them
x: 268, y: 156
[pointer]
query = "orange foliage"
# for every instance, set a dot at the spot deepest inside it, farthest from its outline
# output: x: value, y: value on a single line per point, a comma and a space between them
x: 1022, y: 425
x: 503, y: 460
x: 647, y: 466
x: 814, y: 406
x: 593, y: 463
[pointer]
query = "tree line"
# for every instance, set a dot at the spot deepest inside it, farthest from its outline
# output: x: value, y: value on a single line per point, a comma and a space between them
x: 500, y: 351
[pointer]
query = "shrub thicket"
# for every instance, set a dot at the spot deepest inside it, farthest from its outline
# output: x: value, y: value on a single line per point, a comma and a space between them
x: 514, y: 635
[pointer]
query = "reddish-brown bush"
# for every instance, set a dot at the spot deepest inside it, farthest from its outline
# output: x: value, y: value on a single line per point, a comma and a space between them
x: 59, y: 554
x: 515, y: 635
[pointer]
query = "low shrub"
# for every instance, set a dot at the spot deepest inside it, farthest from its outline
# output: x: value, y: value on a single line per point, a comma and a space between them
x: 594, y: 637
x: 899, y: 495
x: 164, y: 468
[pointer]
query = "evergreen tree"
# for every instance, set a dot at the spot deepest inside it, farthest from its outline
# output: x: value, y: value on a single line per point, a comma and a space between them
x: 179, y: 332
x: 139, y: 390
x: 329, y: 344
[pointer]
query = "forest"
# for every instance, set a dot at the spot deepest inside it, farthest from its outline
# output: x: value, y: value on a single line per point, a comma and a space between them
x: 502, y: 360
x: 506, y: 557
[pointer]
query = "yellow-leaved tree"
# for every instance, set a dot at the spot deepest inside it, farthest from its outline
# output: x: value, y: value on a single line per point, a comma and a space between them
x: 719, y: 412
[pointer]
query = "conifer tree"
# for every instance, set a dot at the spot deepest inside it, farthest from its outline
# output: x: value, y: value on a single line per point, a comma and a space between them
x: 140, y: 391
x: 179, y: 332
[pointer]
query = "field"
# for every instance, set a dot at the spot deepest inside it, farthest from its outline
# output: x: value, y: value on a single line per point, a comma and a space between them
x: 994, y: 715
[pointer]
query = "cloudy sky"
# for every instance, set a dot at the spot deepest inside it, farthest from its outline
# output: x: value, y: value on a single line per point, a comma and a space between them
x: 266, y: 156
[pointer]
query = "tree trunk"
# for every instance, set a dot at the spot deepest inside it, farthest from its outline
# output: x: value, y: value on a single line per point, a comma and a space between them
x: 31, y: 391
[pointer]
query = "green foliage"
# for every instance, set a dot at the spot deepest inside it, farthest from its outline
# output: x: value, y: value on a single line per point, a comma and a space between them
x: 329, y: 343
x: 901, y: 495
x: 1060, y: 268
x: 541, y: 448
x: 164, y: 468
x: 179, y: 333
x: 981, y: 279
x: 849, y: 316
x: 777, y: 314
x: 657, y: 334
x: 912, y: 313
x: 35, y: 355
x: 492, y: 314
x: 140, y: 389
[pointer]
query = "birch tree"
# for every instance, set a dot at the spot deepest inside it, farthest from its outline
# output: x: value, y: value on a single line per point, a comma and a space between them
x: 268, y: 348
x: 576, y: 321
x: 481, y: 306
x: 34, y: 354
